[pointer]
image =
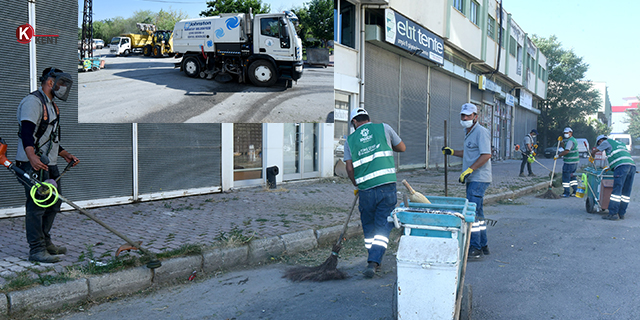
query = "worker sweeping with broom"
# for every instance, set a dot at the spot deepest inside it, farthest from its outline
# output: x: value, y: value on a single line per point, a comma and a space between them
x: 571, y: 157
x: 368, y: 155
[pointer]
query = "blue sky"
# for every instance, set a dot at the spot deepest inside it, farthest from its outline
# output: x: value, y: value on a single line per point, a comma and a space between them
x: 105, y: 9
x: 602, y: 33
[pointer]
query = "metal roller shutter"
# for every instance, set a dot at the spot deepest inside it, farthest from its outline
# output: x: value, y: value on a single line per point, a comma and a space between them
x: 520, y: 127
x: 413, y: 113
x: 476, y: 95
x: 456, y: 131
x: 438, y: 112
x: 14, y: 63
x: 178, y: 156
x: 382, y: 85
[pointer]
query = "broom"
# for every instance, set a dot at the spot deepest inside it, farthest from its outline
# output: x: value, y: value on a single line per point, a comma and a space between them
x: 415, y: 196
x: 327, y: 270
x: 549, y: 194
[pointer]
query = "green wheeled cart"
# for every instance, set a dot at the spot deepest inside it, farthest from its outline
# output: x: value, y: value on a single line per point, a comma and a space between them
x: 600, y: 185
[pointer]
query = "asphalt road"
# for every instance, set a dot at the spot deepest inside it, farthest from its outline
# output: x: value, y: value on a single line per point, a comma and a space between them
x: 144, y: 89
x: 550, y: 259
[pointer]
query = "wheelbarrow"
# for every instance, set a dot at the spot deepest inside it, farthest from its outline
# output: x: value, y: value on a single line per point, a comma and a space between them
x: 599, y: 183
x: 432, y: 259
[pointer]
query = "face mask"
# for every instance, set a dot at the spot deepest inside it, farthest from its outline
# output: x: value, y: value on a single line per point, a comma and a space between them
x: 566, y: 135
x: 466, y: 123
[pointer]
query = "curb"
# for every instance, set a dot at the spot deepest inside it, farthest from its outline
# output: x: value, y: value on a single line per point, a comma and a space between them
x: 46, y: 298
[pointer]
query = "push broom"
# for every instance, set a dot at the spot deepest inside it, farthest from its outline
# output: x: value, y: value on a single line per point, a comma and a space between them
x: 45, y: 194
x: 549, y: 194
x: 327, y: 270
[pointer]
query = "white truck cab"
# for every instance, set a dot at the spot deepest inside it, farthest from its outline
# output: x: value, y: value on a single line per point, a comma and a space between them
x: 120, y: 46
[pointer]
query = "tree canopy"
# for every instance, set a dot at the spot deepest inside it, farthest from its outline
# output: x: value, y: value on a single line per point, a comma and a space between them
x: 633, y: 118
x: 570, y: 96
x: 217, y: 7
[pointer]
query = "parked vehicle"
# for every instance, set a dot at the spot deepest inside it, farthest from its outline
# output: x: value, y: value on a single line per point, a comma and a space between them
x: 582, y: 148
x: 98, y: 43
x: 624, y: 138
x: 262, y: 48
x: 150, y: 42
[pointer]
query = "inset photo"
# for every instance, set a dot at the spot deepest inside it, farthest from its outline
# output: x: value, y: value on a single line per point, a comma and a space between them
x: 205, y: 61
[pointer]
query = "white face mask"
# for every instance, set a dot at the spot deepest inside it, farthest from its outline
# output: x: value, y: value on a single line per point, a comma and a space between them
x: 466, y: 123
x: 566, y: 135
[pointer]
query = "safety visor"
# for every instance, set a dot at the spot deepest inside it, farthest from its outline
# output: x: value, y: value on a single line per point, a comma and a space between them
x: 63, y: 85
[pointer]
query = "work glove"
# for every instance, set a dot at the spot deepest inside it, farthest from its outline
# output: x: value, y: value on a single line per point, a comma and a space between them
x: 535, y: 146
x: 465, y: 174
x: 447, y: 151
x: 560, y: 138
x: 355, y: 192
x: 556, y: 157
x: 591, y: 159
x: 534, y: 153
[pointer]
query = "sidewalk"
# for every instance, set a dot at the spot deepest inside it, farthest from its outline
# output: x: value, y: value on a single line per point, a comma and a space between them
x: 291, y: 217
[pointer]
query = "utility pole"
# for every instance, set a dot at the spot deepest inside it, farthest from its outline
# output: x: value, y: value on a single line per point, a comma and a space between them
x: 86, y: 47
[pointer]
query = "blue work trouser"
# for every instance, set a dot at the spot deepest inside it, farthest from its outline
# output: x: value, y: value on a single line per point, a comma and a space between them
x: 475, y: 194
x: 38, y: 221
x: 569, y: 180
x: 622, y: 183
x: 375, y: 206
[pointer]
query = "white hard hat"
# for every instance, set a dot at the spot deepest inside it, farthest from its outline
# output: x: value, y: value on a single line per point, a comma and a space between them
x: 356, y: 112
x: 602, y: 136
x: 567, y: 129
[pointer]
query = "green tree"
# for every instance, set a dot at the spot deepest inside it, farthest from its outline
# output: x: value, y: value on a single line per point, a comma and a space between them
x: 321, y: 20
x: 166, y: 20
x: 570, y: 97
x: 633, y: 116
x: 217, y: 7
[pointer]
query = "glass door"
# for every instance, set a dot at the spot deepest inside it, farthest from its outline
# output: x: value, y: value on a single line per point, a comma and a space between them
x: 247, y: 153
x: 301, y: 150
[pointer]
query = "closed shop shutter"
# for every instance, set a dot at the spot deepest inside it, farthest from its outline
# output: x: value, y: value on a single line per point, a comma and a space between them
x: 438, y: 113
x: 413, y: 113
x: 476, y: 94
x: 178, y: 156
x: 382, y: 87
x: 520, y: 128
x: 14, y: 63
x: 459, y: 89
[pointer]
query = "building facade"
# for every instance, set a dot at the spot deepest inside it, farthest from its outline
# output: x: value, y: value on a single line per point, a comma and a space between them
x: 412, y: 64
x: 124, y: 163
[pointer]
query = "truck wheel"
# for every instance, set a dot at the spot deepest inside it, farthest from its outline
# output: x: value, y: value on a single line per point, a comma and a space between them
x: 191, y: 67
x: 146, y: 50
x: 262, y: 73
x: 126, y: 52
x: 157, y: 52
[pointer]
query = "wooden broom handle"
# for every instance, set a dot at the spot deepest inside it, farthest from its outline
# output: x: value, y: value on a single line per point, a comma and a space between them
x: 406, y: 184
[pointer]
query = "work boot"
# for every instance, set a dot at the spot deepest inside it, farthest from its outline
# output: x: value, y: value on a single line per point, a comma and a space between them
x: 53, y: 249
x: 485, y: 250
x: 371, y: 269
x: 43, y: 256
x: 522, y: 175
x: 532, y: 174
x: 621, y: 216
x: 610, y: 217
x: 475, y: 254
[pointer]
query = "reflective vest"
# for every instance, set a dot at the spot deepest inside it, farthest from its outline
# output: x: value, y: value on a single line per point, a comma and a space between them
x: 619, y: 154
x: 572, y: 156
x: 372, y: 156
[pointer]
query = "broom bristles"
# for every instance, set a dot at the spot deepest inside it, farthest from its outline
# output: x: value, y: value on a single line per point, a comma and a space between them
x: 325, y: 271
x: 548, y: 195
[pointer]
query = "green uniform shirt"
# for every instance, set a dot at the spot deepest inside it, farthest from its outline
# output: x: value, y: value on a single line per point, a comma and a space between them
x: 618, y: 155
x: 372, y: 156
x: 573, y: 156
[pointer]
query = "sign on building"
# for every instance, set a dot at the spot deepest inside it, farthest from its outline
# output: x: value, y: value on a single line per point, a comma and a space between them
x: 410, y: 36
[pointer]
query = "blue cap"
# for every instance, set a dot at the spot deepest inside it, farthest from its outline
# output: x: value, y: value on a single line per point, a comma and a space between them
x: 534, y: 131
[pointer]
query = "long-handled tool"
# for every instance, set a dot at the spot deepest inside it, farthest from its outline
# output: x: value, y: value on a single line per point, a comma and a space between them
x: 46, y: 190
x: 327, y: 270
x: 446, y: 164
x: 549, y: 194
x: 531, y: 158
x: 415, y: 196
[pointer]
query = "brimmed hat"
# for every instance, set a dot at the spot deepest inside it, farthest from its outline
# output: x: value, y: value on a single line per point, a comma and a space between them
x: 600, y: 137
x: 356, y: 112
x: 468, y: 108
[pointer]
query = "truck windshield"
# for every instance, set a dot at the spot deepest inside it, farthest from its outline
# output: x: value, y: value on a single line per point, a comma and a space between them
x: 115, y: 41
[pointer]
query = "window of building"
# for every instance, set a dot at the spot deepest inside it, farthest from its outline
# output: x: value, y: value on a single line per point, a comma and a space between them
x: 519, y: 58
x: 512, y: 46
x: 347, y: 23
x: 247, y: 151
x: 491, y: 23
x: 473, y: 13
x: 459, y: 5
x: 532, y: 64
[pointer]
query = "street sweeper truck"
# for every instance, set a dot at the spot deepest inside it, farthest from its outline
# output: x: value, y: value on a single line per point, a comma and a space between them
x: 241, y: 46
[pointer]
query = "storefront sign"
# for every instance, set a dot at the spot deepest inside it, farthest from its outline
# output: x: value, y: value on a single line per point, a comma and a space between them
x: 509, y: 100
x: 340, y: 114
x: 486, y: 84
x: 410, y: 36
x: 526, y: 99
